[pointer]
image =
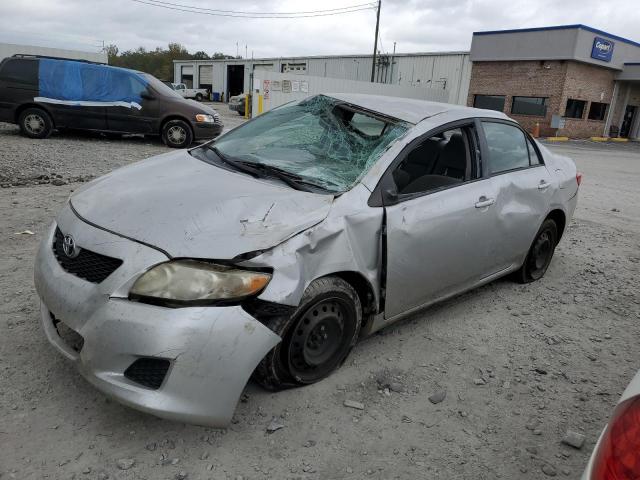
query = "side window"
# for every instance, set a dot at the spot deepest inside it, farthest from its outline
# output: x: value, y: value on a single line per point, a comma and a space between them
x: 24, y: 71
x: 136, y: 86
x: 508, y: 149
x: 534, y: 159
x: 440, y: 161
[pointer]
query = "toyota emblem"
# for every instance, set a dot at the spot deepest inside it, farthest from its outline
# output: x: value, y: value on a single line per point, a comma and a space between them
x: 69, y: 247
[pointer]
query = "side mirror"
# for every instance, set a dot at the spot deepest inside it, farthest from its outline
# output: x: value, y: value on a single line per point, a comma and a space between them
x: 147, y: 96
x: 390, y: 196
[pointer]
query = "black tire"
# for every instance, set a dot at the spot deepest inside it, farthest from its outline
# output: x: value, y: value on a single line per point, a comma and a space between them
x: 35, y: 123
x: 540, y: 253
x: 177, y: 134
x: 329, y: 309
x: 199, y: 97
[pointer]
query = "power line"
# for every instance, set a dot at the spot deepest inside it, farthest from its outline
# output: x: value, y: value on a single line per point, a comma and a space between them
x: 239, y: 12
x: 154, y: 3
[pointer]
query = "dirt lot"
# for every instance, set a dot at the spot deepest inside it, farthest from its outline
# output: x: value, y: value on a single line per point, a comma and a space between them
x: 520, y: 365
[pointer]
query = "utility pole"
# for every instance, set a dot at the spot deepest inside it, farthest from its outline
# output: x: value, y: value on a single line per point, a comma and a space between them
x: 375, y: 42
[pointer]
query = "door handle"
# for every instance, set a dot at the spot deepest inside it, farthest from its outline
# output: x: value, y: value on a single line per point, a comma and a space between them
x: 543, y: 185
x: 485, y: 202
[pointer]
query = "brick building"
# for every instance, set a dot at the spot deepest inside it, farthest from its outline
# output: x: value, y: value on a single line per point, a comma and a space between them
x: 571, y: 80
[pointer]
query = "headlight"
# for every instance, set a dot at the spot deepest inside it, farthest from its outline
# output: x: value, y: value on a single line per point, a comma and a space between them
x: 202, y: 118
x: 199, y: 283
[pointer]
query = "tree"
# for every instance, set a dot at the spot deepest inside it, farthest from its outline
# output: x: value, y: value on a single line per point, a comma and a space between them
x: 157, y: 62
x: 200, y: 55
x: 111, y: 51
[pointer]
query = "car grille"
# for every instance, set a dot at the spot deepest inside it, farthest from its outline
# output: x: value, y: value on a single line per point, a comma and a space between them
x: 148, y: 372
x: 88, y: 265
x: 68, y: 335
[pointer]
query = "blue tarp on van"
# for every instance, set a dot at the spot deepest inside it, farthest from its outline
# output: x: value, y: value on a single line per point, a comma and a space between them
x: 80, y: 83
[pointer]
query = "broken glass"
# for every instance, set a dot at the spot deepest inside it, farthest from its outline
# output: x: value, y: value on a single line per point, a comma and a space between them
x: 324, y: 140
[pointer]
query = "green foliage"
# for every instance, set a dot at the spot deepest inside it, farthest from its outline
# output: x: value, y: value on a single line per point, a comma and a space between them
x: 157, y: 62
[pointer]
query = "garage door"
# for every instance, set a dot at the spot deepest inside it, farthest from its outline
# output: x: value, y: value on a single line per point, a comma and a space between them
x: 187, y: 70
x: 206, y: 74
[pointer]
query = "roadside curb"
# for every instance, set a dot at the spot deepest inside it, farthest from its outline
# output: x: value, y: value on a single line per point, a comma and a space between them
x: 592, y: 139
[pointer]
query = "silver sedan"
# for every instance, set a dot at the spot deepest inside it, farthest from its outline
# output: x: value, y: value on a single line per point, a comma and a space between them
x: 272, y: 249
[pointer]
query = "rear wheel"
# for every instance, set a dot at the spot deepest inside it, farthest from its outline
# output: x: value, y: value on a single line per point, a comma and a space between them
x: 35, y: 123
x: 316, y: 339
x: 199, y: 97
x: 177, y: 134
x: 540, y: 253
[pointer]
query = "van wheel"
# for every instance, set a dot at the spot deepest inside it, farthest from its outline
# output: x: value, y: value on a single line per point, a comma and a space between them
x: 35, y: 123
x: 177, y: 134
x: 199, y: 97
x: 316, y: 339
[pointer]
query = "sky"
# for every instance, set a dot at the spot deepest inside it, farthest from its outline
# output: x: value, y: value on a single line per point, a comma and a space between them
x: 415, y: 25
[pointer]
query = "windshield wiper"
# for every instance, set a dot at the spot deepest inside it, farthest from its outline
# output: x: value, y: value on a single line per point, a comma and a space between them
x: 258, y: 170
x: 239, y: 166
x: 291, y: 179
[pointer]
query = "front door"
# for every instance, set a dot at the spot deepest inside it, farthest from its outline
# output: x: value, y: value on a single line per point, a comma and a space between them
x: 135, y: 112
x: 442, y: 227
x: 627, y: 121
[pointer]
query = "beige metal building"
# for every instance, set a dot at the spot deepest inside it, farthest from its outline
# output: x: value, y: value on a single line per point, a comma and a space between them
x: 449, y: 71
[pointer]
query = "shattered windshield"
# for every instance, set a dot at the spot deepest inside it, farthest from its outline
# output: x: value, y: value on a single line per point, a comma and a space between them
x: 321, y: 140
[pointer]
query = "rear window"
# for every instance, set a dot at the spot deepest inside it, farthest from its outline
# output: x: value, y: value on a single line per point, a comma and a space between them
x: 20, y: 70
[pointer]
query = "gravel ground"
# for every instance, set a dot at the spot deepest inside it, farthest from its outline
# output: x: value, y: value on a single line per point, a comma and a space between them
x: 483, y: 386
x: 70, y: 157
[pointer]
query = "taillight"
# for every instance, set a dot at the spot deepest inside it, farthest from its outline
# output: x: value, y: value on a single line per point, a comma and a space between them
x: 579, y: 178
x: 618, y: 455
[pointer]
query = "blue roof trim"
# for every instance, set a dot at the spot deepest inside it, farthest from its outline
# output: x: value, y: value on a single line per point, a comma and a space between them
x: 561, y: 27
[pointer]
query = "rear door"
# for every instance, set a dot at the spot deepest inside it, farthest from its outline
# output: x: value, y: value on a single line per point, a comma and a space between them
x: 441, y: 224
x: 67, y: 88
x: 522, y: 183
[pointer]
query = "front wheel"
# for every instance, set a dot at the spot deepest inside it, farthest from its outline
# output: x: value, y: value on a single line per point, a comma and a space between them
x: 316, y: 339
x: 540, y: 253
x: 35, y: 123
x: 177, y: 134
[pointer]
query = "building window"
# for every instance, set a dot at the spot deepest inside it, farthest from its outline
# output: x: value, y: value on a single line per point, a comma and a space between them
x: 490, y: 102
x: 575, y: 108
x: 529, y: 106
x: 597, y: 111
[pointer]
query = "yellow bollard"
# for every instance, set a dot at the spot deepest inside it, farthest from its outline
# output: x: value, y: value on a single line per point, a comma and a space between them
x: 246, y: 106
x: 260, y: 105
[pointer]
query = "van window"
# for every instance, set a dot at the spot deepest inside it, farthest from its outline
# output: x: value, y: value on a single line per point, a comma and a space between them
x: 23, y: 71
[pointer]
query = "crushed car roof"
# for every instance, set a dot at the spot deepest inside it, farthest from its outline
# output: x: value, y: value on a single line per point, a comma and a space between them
x: 410, y: 109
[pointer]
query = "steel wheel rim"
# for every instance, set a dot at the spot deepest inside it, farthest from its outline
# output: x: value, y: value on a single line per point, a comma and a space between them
x: 34, y: 124
x: 541, y: 252
x: 319, y: 340
x: 176, y: 134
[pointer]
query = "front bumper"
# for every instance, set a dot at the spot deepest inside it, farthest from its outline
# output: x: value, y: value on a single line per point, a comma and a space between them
x: 203, y: 130
x: 212, y: 350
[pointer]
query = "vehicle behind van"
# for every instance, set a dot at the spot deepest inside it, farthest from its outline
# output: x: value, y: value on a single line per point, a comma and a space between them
x: 41, y: 94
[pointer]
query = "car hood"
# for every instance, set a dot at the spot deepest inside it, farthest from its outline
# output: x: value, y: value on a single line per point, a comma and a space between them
x: 189, y: 208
